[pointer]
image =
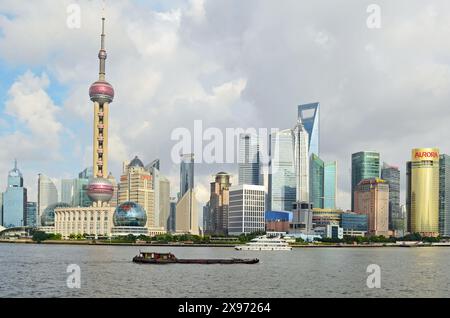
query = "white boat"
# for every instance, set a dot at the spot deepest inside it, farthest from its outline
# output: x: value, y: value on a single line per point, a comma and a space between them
x: 263, y: 243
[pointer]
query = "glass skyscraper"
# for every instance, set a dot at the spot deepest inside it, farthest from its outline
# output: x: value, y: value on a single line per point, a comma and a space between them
x: 249, y: 160
x: 14, y: 200
x: 330, y: 185
x: 31, y: 215
x: 47, y: 193
x: 391, y: 174
x: 316, y: 181
x: 186, y: 174
x: 282, y: 179
x: 67, y: 193
x: 310, y: 117
x: 444, y: 196
x: 301, y: 161
x: 365, y: 165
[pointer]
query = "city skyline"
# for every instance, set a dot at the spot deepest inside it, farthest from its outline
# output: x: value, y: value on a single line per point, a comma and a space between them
x: 57, y: 89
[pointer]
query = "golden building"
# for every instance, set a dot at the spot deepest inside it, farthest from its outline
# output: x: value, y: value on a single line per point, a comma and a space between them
x: 136, y: 186
x: 371, y: 197
x: 423, y: 213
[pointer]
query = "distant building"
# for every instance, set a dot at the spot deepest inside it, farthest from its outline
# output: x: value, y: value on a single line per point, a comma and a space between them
x: 31, y: 215
x: 392, y: 176
x: 47, y: 193
x: 1, y: 208
x: 186, y: 219
x: 67, y: 191
x: 354, y: 222
x: 164, y: 202
x: 249, y: 160
x: 330, y: 185
x: 186, y: 174
x: 301, y: 161
x: 154, y: 169
x: 172, y: 214
x: 324, y: 217
x: 14, y: 200
x: 423, y: 216
x: 310, y: 117
x: 247, y: 210
x: 316, y: 181
x: 219, y: 203
x: 444, y: 196
x: 207, y: 222
x: 372, y: 199
x: 334, y: 232
x: 302, y: 219
x: 365, y: 165
x: 278, y: 221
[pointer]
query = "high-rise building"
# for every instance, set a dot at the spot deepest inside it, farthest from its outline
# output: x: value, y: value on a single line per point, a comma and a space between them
x: 302, y: 218
x: 247, y: 209
x: 207, y: 222
x: 164, y: 202
x: 423, y: 216
x: 408, y: 195
x: 249, y: 160
x: 1, y: 208
x: 31, y: 215
x: 219, y: 203
x: 173, y: 214
x: 316, y: 181
x: 330, y: 185
x: 154, y: 169
x: 282, y: 177
x: 391, y: 175
x: 47, y: 193
x: 444, y: 195
x: 186, y: 219
x: 372, y: 199
x: 309, y: 114
x: 186, y: 173
x: 14, y: 200
x: 365, y: 165
x: 301, y: 162
x: 67, y: 190
x: 136, y: 186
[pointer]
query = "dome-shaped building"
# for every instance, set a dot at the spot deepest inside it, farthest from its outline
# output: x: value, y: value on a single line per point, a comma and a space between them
x: 136, y: 163
x: 48, y: 216
x: 100, y: 190
x: 130, y: 214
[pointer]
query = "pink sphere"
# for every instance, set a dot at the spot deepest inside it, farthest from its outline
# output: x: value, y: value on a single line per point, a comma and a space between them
x: 101, y: 91
x: 100, y: 189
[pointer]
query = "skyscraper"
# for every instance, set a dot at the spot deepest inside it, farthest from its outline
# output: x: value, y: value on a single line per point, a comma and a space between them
x: 31, y: 215
x: 408, y: 195
x: 282, y: 177
x: 80, y: 189
x: 309, y: 114
x: 423, y: 216
x: 47, y: 194
x: 154, y: 169
x: 392, y: 176
x: 1, y: 208
x: 14, y: 199
x: 67, y: 190
x: 136, y: 186
x: 301, y: 162
x: 365, y: 165
x: 186, y: 219
x: 316, y: 181
x: 249, y: 160
x: 186, y: 173
x: 219, y: 203
x: 372, y: 199
x: 330, y: 185
x: 164, y: 202
x: 444, y: 196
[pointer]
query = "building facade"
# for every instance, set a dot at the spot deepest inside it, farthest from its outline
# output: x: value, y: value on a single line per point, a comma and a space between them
x: 164, y: 202
x: 31, y: 215
x: 302, y: 219
x: 309, y: 114
x: 47, y: 193
x: 444, y: 196
x: 301, y: 162
x: 186, y: 219
x: 14, y: 200
x: 372, y: 199
x: 354, y: 222
x: 391, y: 175
x: 330, y: 185
x: 67, y: 191
x: 365, y: 165
x: 219, y: 203
x: 316, y: 181
x: 186, y: 174
x: 249, y: 160
x: 247, y: 210
x: 282, y: 177
x: 324, y: 217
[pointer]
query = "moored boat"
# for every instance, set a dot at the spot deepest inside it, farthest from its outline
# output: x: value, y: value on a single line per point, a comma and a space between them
x: 263, y: 243
x: 169, y: 258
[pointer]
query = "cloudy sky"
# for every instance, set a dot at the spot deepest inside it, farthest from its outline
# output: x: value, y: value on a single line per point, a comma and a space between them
x: 228, y: 63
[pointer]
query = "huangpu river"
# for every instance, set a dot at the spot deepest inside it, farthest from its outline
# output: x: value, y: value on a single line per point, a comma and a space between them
x: 29, y: 270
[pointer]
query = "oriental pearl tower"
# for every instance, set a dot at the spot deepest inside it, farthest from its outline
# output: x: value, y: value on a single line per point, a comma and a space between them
x: 100, y: 189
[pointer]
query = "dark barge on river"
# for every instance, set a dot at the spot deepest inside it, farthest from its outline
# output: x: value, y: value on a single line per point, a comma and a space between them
x: 169, y: 258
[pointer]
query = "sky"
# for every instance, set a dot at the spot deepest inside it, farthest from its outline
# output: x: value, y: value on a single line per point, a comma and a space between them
x: 229, y: 63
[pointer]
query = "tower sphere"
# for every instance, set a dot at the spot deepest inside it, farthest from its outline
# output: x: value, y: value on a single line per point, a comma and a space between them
x: 100, y: 190
x: 101, y: 92
x: 130, y: 214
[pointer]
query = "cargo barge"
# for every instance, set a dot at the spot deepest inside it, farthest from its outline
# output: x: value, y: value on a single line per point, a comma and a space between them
x: 169, y: 258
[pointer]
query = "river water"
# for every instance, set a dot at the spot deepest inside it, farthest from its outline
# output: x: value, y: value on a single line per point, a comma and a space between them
x: 107, y: 271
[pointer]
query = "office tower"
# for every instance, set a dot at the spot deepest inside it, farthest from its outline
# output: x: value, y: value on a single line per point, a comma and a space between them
x: 309, y: 114
x: 31, y: 214
x: 186, y: 219
x: 207, y: 220
x: 247, y: 209
x: 372, y: 199
x: 154, y: 169
x: 330, y: 185
x: 100, y: 189
x: 424, y: 211
x: 14, y: 199
x: 47, y: 193
x: 316, y: 181
x: 136, y: 186
x: 391, y: 175
x: 219, y: 203
x: 164, y: 202
x: 408, y: 196
x: 173, y: 214
x: 186, y: 173
x: 302, y: 216
x: 249, y: 160
x: 282, y: 177
x: 444, y: 196
x: 67, y: 190
x: 365, y: 165
x: 301, y: 162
